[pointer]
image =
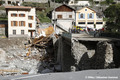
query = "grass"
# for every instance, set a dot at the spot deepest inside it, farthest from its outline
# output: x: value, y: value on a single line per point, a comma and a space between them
x: 42, y: 15
x: 34, y: 4
x: 3, y: 18
x: 2, y: 8
x: 105, y: 19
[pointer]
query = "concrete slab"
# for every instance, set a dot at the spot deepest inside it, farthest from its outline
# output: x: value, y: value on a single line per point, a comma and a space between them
x: 87, y: 37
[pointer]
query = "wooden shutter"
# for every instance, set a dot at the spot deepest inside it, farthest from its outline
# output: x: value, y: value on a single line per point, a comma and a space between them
x: 24, y: 23
x: 19, y: 23
x: 16, y: 23
x: 32, y: 17
x: 11, y: 15
x: 19, y: 15
x: 24, y: 15
x: 11, y: 23
x: 30, y: 25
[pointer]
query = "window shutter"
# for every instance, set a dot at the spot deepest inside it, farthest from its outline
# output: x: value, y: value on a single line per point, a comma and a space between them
x: 19, y: 15
x: 88, y: 15
x: 24, y: 23
x: 12, y: 15
x: 24, y: 15
x: 92, y: 15
x: 79, y: 16
x: 31, y: 25
x: 32, y: 17
x: 19, y: 23
x: 16, y: 15
x: 16, y: 23
x: 83, y: 16
x: 11, y: 23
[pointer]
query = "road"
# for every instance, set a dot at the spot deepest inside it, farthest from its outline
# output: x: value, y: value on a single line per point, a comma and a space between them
x: 87, y: 37
x: 106, y: 74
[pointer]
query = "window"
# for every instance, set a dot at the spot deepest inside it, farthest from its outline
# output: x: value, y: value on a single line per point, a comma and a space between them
x: 90, y: 16
x: 81, y: 16
x: 21, y: 23
x: 85, y: 9
x: 90, y: 22
x: 70, y: 16
x: 14, y: 32
x: 71, y: 2
x: 17, y: 2
x: 21, y: 15
x: 14, y: 23
x: 30, y: 17
x: 22, y: 32
x: 13, y: 15
x: 81, y: 22
x: 59, y: 16
x: 9, y: 2
x: 30, y: 25
x: 99, y: 22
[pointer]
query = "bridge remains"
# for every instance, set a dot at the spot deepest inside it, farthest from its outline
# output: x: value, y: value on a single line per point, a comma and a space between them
x: 75, y: 52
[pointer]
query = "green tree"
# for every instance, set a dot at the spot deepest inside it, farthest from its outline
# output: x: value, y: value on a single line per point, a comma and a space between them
x: 112, y: 13
x: 106, y: 2
x: 109, y: 1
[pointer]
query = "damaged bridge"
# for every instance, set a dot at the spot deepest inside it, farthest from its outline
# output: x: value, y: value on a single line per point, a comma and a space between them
x: 77, y: 52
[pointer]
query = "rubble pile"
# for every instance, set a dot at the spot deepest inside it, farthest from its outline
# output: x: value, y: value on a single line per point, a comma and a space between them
x: 28, y: 56
x: 31, y: 60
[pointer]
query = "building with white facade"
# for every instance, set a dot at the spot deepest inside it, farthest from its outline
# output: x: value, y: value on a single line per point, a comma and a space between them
x: 38, y: 1
x: 21, y: 21
x: 11, y: 2
x: 63, y: 18
x: 87, y: 17
x: 79, y: 3
x: 19, y: 2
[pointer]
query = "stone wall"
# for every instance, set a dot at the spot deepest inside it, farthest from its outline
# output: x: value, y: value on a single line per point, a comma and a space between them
x: 85, y: 55
x: 2, y: 31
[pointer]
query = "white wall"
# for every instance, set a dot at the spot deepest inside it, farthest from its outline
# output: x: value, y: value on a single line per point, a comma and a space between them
x: 65, y: 22
x: 64, y: 14
x: 39, y: 1
x: 19, y: 28
x: 79, y: 3
x: 32, y: 13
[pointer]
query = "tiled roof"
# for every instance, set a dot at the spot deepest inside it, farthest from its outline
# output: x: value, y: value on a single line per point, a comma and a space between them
x: 17, y: 7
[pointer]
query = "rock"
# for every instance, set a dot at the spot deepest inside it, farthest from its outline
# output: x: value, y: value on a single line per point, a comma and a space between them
x: 73, y: 68
x: 104, y: 55
x: 2, y: 55
x: 33, y: 71
x: 78, y: 50
x: 47, y: 71
x: 57, y: 67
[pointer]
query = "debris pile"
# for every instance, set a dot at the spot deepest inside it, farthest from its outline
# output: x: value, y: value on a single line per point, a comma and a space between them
x: 31, y: 58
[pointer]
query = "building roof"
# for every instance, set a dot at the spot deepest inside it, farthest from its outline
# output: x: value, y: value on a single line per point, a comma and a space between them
x: 18, y: 7
x: 64, y: 7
